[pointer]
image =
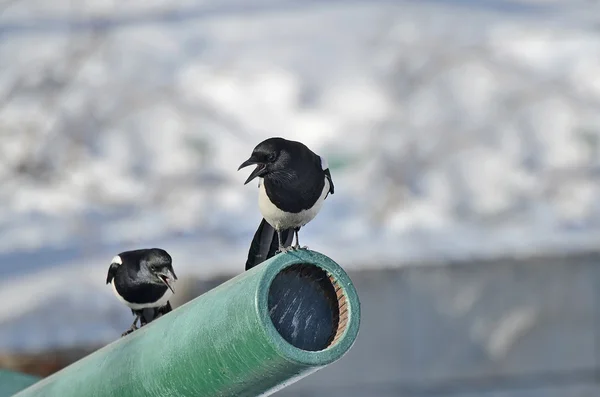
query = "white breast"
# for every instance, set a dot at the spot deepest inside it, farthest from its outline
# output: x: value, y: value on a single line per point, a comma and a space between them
x: 286, y: 220
x: 137, y: 306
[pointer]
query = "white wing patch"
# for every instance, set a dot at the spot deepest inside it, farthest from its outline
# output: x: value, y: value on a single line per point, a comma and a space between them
x: 324, y: 163
x: 117, y: 260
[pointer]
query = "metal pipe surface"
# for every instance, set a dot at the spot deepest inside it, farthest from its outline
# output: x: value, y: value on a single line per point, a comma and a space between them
x: 12, y: 382
x: 251, y: 336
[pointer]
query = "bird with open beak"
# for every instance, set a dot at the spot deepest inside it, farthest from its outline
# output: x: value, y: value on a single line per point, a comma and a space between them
x: 293, y: 184
x: 143, y: 280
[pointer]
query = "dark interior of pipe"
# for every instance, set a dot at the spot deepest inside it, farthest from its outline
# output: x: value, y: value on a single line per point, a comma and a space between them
x: 308, y: 307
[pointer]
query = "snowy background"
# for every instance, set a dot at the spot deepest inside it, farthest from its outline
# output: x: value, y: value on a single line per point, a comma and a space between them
x: 454, y: 129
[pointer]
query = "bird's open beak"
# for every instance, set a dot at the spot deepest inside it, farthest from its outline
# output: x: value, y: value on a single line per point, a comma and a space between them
x: 168, y: 278
x: 260, y: 169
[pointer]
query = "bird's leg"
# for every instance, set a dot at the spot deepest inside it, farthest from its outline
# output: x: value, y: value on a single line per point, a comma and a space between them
x: 143, y: 320
x: 297, y: 245
x: 135, y: 320
x: 282, y: 249
x: 133, y: 326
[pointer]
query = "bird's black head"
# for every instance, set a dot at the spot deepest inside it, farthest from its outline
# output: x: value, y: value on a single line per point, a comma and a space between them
x: 153, y: 265
x: 270, y: 156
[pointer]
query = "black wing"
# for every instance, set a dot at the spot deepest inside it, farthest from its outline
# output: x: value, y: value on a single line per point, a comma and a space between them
x: 112, y: 272
x: 266, y: 243
x: 328, y: 176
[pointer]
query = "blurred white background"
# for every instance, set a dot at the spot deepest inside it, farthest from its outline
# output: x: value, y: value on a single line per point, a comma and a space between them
x: 454, y: 130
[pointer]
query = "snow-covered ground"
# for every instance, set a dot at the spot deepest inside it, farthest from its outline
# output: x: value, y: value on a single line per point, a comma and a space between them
x: 453, y: 129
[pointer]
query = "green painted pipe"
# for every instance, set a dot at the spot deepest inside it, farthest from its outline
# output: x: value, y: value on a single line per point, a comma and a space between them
x: 12, y: 382
x: 250, y: 336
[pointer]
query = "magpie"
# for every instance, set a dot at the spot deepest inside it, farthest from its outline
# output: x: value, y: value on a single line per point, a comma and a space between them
x: 143, y: 280
x: 293, y: 183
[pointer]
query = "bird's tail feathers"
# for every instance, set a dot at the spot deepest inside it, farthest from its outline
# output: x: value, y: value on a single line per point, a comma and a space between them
x: 266, y: 243
x: 150, y: 314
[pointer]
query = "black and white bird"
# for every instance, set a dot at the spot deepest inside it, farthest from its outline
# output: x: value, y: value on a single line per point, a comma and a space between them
x: 293, y: 183
x: 143, y: 280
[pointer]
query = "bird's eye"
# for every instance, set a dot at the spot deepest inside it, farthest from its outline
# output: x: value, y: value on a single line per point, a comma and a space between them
x: 272, y: 157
